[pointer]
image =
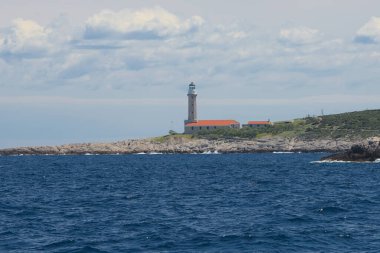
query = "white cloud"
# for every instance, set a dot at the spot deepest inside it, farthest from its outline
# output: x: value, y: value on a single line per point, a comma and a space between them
x: 139, y: 25
x: 26, y: 38
x: 238, y: 35
x: 300, y: 35
x: 216, y: 56
x: 370, y: 32
x: 320, y: 99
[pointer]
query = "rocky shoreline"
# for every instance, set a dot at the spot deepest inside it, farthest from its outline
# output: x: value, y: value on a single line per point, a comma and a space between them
x: 368, y: 151
x: 182, y: 145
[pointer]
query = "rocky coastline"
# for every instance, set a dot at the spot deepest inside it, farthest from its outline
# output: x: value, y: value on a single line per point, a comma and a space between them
x: 181, y: 145
x: 367, y: 151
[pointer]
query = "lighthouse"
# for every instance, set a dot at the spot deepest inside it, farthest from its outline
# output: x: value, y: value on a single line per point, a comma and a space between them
x: 193, y: 125
x: 192, y: 104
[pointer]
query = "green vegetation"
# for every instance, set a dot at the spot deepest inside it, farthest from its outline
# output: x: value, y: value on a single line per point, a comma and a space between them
x: 246, y: 133
x: 171, y: 136
x: 351, y: 125
x: 172, y: 132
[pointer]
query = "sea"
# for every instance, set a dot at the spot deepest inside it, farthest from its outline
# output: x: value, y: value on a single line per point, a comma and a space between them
x: 273, y: 202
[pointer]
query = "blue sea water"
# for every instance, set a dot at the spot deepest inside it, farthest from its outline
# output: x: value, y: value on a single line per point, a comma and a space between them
x: 188, y: 203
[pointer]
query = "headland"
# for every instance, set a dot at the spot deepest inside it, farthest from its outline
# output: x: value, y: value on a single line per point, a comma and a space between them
x: 330, y: 133
x: 187, y: 145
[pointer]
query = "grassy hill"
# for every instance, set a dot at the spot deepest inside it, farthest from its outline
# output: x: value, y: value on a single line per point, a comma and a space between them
x: 361, y: 124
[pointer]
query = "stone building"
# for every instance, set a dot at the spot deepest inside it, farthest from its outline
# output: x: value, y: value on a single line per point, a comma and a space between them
x: 258, y: 124
x: 208, y: 125
x: 192, y: 124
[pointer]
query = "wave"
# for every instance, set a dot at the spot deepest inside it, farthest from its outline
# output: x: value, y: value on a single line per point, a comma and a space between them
x: 332, y: 209
x: 339, y: 161
x: 59, y: 244
x: 150, y: 153
x: 329, y: 161
x: 210, y: 152
x: 283, y: 152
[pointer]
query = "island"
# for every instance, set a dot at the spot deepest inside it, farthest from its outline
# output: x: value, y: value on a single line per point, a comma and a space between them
x: 352, y: 135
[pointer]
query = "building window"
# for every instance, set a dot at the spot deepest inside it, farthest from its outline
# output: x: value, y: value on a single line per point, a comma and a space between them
x: 207, y: 128
x: 214, y: 127
x: 200, y: 128
x: 192, y: 128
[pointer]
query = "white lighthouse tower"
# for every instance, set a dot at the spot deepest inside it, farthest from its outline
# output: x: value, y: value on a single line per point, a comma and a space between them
x: 192, y: 104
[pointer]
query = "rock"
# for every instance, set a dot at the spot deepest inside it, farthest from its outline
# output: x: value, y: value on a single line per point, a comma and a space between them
x: 368, y: 151
x: 178, y: 144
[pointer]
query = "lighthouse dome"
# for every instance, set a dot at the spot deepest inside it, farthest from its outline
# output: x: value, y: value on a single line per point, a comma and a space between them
x: 192, y: 89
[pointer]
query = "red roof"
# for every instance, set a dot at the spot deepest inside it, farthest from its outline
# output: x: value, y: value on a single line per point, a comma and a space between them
x: 213, y: 123
x: 259, y: 123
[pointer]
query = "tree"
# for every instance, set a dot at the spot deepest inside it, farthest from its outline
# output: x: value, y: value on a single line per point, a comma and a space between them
x: 172, y: 132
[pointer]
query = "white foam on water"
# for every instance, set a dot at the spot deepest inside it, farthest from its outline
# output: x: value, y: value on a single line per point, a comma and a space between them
x: 338, y: 161
x: 210, y: 152
x: 283, y: 152
x: 329, y: 161
x: 155, y: 153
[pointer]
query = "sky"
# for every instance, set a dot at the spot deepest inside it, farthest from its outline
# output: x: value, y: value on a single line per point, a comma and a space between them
x: 106, y: 70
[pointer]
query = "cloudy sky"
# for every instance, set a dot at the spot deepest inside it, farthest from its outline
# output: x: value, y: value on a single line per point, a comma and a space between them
x: 103, y: 70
